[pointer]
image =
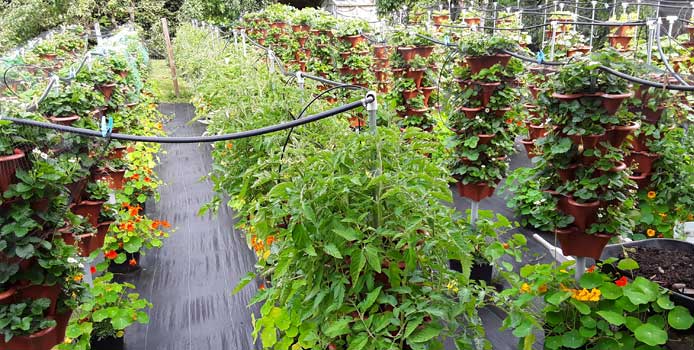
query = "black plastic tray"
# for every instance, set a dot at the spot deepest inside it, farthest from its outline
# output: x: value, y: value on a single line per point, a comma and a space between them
x: 613, y: 251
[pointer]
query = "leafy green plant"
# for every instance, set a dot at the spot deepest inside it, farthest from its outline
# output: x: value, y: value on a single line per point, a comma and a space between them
x: 24, y: 318
x: 477, y: 44
x: 107, y: 310
x: 600, y: 310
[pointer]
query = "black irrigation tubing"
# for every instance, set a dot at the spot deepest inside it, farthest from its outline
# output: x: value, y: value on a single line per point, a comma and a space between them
x: 435, y: 41
x: 199, y: 139
x: 614, y: 72
x: 665, y: 61
x: 301, y: 114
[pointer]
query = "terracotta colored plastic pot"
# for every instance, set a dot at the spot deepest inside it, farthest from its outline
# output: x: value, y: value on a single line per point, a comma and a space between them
x: 381, y: 52
x: 485, y: 138
x: 407, y: 53
x: 643, y: 160
x: 107, y: 90
x: 566, y: 97
x: 427, y: 91
x: 536, y: 131
x: 7, y: 297
x: 619, y: 41
x: 424, y: 51
x: 34, y: 292
x: 353, y: 40
x: 642, y: 181
x: 591, y: 141
x: 477, y: 63
x: 62, y: 320
x: 8, y: 168
x: 416, y: 75
x: 113, y: 177
x: 618, y: 134
x: 530, y: 148
x: 42, y: 340
x: 575, y: 242
x: 585, y: 214
x: 67, y: 121
x: 471, y: 113
x: 410, y: 94
x: 567, y: 174
x: 439, y: 19
x: 611, y: 102
x: 487, y: 91
x: 472, y: 21
x: 653, y: 117
x: 90, y: 210
x: 101, y: 232
x: 475, y: 191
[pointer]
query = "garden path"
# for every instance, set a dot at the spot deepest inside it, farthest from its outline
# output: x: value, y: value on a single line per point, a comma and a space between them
x: 190, y: 279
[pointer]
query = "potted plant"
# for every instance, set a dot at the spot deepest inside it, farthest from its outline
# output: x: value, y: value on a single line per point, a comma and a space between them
x: 102, y: 319
x: 484, y: 52
x: 350, y: 31
x: 46, y: 50
x: 10, y: 157
x: 25, y: 326
x: 603, y: 302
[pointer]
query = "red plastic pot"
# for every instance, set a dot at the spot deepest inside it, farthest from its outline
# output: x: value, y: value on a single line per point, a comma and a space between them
x: 427, y: 91
x: 416, y: 75
x: 381, y: 75
x: 566, y: 97
x: 35, y: 292
x: 353, y: 40
x: 471, y: 113
x: 485, y: 138
x: 107, y: 90
x: 612, y: 102
x: 439, y: 19
x: 48, y: 56
x: 643, y: 160
x: 381, y: 63
x: 501, y: 112
x: 113, y: 177
x: 89, y: 209
x: 7, y: 297
x: 424, y: 51
x: 653, y: 117
x: 42, y: 340
x: 585, y: 214
x: 536, y: 131
x: 67, y: 121
x: 567, y: 174
x: 475, y: 191
x: 407, y: 53
x: 464, y: 84
x: 581, y: 49
x: 619, y: 41
x: 472, y: 21
x: 62, y: 320
x: 591, y: 141
x: 530, y: 148
x: 618, y: 134
x: 76, y: 189
x: 477, y: 63
x: 487, y: 91
x: 416, y: 112
x: 410, y: 94
x: 101, y: 232
x: 623, y: 30
x: 8, y: 168
x: 642, y: 180
x: 381, y: 52
x: 575, y: 242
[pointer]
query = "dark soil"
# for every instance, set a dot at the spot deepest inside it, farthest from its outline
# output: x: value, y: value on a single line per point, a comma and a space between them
x: 664, y: 267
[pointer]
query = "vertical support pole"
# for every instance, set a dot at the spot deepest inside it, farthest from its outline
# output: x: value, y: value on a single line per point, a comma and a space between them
x: 576, y: 8
x: 97, y: 32
x: 496, y: 16
x: 649, y: 42
x: 636, y: 32
x: 270, y: 61
x: 131, y: 9
x: 243, y: 42
x: 544, y: 26
x: 236, y: 42
x: 87, y: 275
x: 614, y: 8
x: 657, y: 10
x: 372, y: 108
x: 592, y: 20
x: 169, y: 52
x: 300, y: 82
x: 580, y: 267
x: 554, y: 40
x: 474, y: 213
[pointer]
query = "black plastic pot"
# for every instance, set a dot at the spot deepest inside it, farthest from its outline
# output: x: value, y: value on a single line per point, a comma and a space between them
x: 108, y: 343
x: 125, y: 267
x: 478, y: 272
x: 614, y: 250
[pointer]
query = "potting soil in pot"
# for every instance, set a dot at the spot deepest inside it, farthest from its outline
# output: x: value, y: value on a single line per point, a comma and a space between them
x: 665, y: 267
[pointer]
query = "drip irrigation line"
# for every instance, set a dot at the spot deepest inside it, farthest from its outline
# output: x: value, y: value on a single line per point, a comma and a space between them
x: 434, y: 40
x: 301, y: 114
x: 612, y: 71
x: 199, y: 139
x: 665, y: 60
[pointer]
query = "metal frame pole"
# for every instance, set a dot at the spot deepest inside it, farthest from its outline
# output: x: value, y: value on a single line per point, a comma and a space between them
x: 650, y: 25
x: 580, y: 267
x: 592, y: 20
x: 372, y: 109
x: 474, y: 213
x: 553, y: 40
x: 243, y: 42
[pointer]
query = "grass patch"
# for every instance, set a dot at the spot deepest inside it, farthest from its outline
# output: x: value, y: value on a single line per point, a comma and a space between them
x: 162, y: 85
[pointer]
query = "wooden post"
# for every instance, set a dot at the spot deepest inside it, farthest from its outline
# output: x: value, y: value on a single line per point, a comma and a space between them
x: 169, y: 51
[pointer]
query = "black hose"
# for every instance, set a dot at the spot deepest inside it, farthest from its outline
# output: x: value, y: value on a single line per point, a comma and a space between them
x: 198, y: 139
x: 664, y: 59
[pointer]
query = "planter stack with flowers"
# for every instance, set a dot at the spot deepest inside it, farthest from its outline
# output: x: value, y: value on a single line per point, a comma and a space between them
x: 355, y: 60
x: 381, y: 67
x: 620, y: 37
x: 584, y: 155
x: 412, y: 89
x: 484, y: 89
x: 536, y: 120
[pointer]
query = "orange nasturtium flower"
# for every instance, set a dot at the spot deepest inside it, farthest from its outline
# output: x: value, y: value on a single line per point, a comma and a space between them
x: 270, y: 239
x: 135, y: 177
x: 621, y: 282
x: 542, y: 289
x: 78, y: 278
x: 147, y: 179
x: 650, y: 194
x: 525, y: 288
x: 650, y: 232
x: 591, y: 269
x: 111, y: 254
x: 132, y: 262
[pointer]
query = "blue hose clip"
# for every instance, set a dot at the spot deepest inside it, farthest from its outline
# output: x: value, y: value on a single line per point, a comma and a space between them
x: 540, y: 56
x: 106, y: 127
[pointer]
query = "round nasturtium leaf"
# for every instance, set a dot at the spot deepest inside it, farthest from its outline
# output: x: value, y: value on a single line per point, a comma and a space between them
x: 680, y: 318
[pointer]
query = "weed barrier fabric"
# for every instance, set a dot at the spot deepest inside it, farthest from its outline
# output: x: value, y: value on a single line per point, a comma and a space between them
x: 190, y: 279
